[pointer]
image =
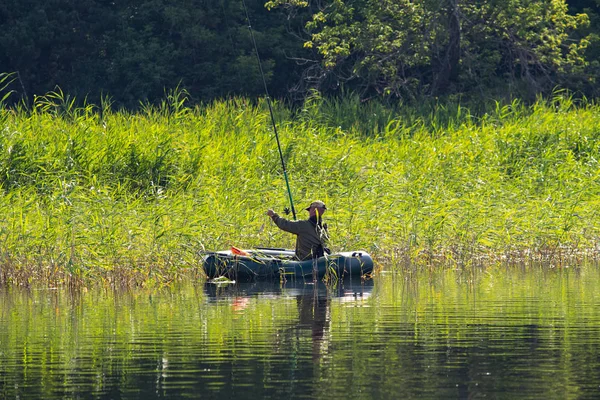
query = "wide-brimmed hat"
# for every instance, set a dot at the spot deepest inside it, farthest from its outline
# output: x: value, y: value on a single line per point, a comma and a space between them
x: 317, y: 204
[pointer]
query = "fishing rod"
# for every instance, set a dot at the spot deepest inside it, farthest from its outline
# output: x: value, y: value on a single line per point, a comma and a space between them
x: 287, y: 183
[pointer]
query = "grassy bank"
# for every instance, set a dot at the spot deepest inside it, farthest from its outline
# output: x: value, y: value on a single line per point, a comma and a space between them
x: 92, y: 194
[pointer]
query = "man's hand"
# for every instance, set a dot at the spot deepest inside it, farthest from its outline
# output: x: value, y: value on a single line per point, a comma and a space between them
x: 270, y: 213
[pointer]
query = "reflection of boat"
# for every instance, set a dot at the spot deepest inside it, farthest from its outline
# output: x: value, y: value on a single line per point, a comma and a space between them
x: 344, y: 290
x: 263, y: 264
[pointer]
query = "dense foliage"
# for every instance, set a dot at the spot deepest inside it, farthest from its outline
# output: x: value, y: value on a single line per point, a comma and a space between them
x: 110, y: 196
x: 402, y: 47
x: 135, y: 50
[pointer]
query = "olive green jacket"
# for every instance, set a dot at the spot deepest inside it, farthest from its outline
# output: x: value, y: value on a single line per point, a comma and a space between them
x: 309, y: 235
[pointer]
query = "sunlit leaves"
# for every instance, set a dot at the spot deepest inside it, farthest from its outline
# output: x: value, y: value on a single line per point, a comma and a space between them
x: 400, y: 47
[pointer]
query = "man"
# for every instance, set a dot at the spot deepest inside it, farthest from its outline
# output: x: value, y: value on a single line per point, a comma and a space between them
x: 311, y: 234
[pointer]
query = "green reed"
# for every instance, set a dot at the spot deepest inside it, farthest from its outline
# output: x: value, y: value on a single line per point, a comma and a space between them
x: 92, y: 194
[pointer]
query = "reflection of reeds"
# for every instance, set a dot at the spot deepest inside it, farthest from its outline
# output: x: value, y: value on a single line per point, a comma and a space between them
x: 91, y: 194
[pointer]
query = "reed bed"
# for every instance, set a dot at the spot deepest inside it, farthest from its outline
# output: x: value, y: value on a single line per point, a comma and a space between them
x: 95, y: 195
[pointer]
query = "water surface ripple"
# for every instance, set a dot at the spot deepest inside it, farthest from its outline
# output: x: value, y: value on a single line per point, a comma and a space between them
x: 502, y: 333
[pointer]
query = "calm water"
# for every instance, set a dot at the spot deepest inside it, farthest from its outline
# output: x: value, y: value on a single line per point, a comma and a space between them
x: 501, y: 333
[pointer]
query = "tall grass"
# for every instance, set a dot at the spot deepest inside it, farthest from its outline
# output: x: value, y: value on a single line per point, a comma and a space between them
x: 92, y: 194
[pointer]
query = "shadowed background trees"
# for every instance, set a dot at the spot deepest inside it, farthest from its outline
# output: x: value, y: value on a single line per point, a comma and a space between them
x: 133, y: 50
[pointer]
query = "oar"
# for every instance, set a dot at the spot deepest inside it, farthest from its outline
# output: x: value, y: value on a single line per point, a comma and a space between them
x: 287, y: 183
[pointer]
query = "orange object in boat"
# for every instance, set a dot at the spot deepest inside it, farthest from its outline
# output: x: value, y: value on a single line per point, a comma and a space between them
x: 239, y: 252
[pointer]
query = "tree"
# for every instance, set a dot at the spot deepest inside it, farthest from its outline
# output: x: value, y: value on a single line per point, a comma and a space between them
x: 404, y: 47
x: 587, y: 81
x: 134, y: 50
x: 55, y: 42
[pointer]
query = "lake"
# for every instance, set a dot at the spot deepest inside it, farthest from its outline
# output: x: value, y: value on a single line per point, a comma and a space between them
x: 494, y: 333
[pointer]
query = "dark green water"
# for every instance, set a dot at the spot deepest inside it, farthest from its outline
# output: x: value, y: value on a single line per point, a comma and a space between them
x: 501, y: 333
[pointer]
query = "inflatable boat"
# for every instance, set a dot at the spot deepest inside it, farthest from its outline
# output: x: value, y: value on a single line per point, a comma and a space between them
x: 268, y: 263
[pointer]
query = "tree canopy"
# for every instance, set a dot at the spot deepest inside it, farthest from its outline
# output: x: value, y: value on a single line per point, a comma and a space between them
x: 133, y: 51
x: 400, y: 47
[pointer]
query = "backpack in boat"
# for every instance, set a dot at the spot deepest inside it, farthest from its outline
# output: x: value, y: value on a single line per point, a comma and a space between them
x: 320, y: 250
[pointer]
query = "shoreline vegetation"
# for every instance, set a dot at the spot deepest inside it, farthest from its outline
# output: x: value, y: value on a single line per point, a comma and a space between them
x: 92, y: 195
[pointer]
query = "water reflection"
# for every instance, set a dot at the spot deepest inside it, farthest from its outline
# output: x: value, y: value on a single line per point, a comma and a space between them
x: 348, y: 289
x: 313, y: 301
x: 496, y: 333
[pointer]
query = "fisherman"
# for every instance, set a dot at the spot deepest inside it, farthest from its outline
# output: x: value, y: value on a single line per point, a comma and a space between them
x: 312, y: 237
